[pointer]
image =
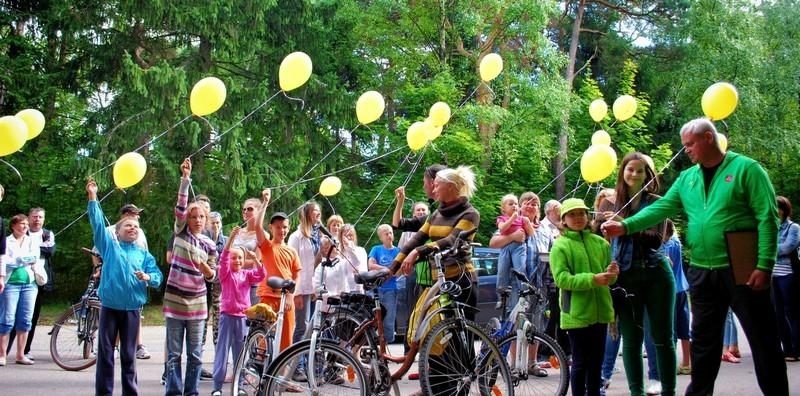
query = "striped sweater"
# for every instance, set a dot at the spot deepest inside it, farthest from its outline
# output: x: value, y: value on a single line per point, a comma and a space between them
x: 442, y: 229
x: 185, y: 295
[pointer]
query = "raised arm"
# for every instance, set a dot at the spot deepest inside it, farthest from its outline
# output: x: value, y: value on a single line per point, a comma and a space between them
x: 183, y: 196
x: 400, y: 196
x: 261, y: 235
x: 102, y: 240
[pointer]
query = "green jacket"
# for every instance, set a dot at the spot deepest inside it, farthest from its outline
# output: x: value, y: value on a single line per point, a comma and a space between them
x: 574, y: 259
x: 741, y: 197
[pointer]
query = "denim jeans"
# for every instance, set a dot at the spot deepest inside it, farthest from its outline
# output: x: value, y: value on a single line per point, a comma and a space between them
x: 389, y: 300
x: 16, y: 307
x: 610, y: 356
x: 192, y: 332
x: 786, y: 311
x: 731, y: 335
x: 513, y: 255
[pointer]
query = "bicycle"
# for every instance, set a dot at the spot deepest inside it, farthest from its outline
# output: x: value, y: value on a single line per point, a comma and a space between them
x: 456, y: 357
x: 517, y: 337
x: 329, y: 370
x: 72, y: 339
x: 263, y: 339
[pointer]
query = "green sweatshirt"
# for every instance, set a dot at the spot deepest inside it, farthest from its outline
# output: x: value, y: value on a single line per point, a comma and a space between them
x: 574, y: 260
x: 741, y: 197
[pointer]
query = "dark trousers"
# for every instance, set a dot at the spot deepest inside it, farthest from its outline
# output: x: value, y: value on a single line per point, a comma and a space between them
x: 37, y: 307
x: 784, y: 296
x: 553, y: 328
x: 712, y: 292
x: 115, y: 322
x: 588, y: 347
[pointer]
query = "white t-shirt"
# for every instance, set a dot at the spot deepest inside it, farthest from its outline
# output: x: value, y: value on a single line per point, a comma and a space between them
x: 305, y: 281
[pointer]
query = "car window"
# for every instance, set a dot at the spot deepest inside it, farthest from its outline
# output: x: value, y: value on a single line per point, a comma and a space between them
x: 485, y: 263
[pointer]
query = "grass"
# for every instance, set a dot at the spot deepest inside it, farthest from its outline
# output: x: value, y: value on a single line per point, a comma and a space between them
x: 151, y: 316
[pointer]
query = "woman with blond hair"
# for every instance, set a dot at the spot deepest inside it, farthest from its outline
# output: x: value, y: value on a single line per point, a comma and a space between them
x: 306, y: 241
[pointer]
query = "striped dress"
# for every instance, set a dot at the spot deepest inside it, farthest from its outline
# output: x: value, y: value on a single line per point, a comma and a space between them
x: 185, y: 295
x: 442, y: 229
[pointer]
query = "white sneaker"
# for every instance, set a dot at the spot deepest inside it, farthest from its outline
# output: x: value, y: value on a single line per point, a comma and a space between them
x: 654, y: 387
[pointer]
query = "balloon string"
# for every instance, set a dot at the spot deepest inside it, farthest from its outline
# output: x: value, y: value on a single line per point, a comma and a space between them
x: 236, y: 124
x: 301, y: 205
x: 312, y: 168
x: 559, y: 175
x: 13, y: 169
x: 149, y: 142
x: 302, y: 102
x: 650, y: 182
x: 405, y: 183
x: 329, y: 204
x: 364, y: 212
x: 82, y: 214
x: 573, y: 190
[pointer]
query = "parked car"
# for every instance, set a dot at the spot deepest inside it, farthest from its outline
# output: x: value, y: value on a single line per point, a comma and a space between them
x: 485, y: 262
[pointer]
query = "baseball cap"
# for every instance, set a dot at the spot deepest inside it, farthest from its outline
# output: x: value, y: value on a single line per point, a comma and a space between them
x: 572, y: 204
x: 130, y: 208
x: 278, y: 216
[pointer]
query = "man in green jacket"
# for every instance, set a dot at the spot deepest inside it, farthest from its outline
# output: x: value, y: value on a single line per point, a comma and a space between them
x: 724, y: 192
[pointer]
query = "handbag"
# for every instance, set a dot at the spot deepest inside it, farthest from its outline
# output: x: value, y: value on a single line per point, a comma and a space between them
x: 39, y: 273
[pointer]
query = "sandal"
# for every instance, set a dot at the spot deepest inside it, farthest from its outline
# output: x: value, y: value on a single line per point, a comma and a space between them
x: 537, y: 371
x: 685, y: 370
x: 728, y: 357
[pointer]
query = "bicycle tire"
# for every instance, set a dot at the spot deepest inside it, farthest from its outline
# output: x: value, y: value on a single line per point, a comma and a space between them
x: 557, y: 380
x: 73, y: 349
x: 337, y: 372
x: 445, y: 368
x: 251, y: 363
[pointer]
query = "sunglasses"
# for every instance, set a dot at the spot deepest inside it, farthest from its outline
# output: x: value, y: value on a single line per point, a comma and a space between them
x: 248, y: 209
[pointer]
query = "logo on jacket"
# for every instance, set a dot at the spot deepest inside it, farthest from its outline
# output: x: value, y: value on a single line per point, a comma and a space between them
x: 728, y: 178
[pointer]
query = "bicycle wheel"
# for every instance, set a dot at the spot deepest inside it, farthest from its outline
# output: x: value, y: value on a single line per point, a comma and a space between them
x: 249, y: 367
x: 340, y: 325
x: 458, y: 358
x: 335, y: 370
x: 72, y: 340
x: 554, y: 363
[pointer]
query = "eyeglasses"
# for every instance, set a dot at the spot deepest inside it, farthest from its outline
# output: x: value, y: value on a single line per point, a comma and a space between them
x: 248, y: 209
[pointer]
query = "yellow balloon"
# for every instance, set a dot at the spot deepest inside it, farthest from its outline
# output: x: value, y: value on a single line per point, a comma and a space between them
x: 719, y: 101
x: 597, y: 163
x: 369, y: 107
x: 129, y: 169
x: 601, y: 138
x: 722, y: 141
x: 491, y: 66
x: 432, y: 132
x: 34, y: 119
x: 295, y: 70
x: 439, y: 114
x: 330, y: 186
x: 598, y: 110
x: 624, y: 107
x: 417, y: 136
x: 13, y: 135
x: 207, y: 96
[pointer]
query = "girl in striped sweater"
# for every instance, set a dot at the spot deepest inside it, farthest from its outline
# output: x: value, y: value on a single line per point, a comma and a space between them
x: 194, y: 262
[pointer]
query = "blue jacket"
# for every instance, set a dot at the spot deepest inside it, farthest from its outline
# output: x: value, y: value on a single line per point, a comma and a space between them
x: 119, y: 287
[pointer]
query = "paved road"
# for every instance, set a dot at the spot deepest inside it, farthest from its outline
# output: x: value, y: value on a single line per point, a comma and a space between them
x: 47, y: 379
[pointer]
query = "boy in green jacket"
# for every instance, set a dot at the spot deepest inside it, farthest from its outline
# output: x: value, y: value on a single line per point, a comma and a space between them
x: 724, y: 192
x: 582, y: 268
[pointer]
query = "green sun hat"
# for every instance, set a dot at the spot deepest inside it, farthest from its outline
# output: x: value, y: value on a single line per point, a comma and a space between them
x: 572, y: 204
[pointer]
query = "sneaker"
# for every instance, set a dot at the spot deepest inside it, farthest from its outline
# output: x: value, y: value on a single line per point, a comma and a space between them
x: 142, y: 353
x: 216, y: 393
x: 206, y: 375
x: 29, y: 356
x: 653, y: 387
x: 537, y: 371
x: 2, y: 361
x: 299, y: 376
x: 164, y: 378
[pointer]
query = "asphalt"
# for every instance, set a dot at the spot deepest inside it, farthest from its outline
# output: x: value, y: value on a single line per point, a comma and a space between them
x: 47, y: 379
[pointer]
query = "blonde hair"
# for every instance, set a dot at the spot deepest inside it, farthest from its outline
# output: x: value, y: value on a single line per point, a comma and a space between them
x: 508, y: 198
x: 334, y: 218
x: 462, y: 177
x: 345, y: 229
x: 383, y: 227
x: 304, y: 213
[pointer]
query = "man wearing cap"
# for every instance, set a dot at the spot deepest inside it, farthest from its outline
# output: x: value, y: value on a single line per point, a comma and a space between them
x: 725, y: 192
x: 280, y: 260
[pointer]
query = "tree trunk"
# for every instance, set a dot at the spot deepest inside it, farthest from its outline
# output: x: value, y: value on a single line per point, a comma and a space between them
x: 569, y: 75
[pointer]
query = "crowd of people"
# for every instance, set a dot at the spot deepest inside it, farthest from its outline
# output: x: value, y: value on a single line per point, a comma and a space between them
x: 613, y: 272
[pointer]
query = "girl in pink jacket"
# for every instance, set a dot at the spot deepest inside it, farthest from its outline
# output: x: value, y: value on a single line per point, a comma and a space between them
x: 235, y: 298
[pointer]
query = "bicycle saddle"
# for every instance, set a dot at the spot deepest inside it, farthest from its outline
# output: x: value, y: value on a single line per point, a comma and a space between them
x: 504, y: 291
x: 277, y: 282
x: 372, y: 278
